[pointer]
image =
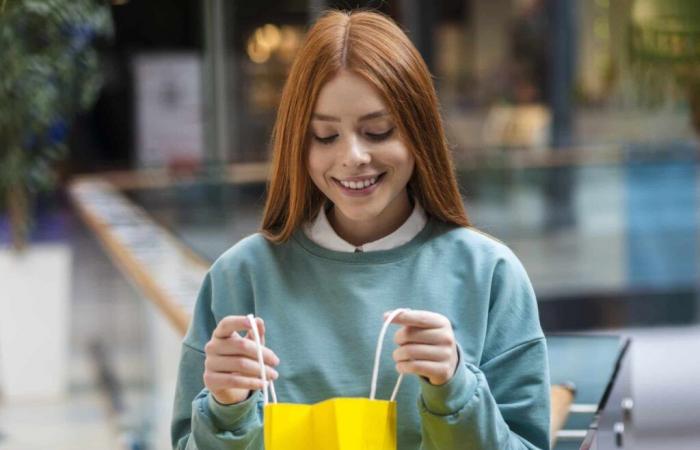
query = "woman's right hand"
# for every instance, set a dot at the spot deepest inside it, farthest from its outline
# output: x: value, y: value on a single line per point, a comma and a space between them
x: 231, y: 368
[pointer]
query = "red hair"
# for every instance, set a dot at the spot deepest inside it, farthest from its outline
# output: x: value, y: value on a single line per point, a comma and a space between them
x: 372, y: 46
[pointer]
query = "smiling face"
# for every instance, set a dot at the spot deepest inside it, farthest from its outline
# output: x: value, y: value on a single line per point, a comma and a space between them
x: 357, y: 158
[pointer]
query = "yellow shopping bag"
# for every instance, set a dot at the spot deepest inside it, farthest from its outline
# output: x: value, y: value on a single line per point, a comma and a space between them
x: 333, y: 424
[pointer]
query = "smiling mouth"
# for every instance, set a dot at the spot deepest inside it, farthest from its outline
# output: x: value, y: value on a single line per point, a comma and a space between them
x: 360, y: 185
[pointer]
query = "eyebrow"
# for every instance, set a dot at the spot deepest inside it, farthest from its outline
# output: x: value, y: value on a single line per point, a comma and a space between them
x: 372, y: 115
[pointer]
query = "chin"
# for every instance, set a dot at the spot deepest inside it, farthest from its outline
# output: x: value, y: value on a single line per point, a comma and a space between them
x: 358, y: 214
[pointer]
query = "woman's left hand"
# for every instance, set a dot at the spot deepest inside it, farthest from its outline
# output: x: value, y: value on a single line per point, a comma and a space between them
x: 427, y: 345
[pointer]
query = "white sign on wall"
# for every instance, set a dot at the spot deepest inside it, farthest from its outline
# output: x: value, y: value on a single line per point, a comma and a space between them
x: 168, y: 93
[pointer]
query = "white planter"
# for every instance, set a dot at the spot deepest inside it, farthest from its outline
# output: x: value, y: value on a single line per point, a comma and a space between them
x: 34, y: 322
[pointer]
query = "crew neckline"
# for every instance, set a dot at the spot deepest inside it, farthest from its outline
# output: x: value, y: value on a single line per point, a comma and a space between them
x: 373, y: 257
x: 322, y: 232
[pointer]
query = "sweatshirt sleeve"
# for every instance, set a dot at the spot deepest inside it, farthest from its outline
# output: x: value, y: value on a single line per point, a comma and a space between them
x: 199, y: 421
x: 502, y: 400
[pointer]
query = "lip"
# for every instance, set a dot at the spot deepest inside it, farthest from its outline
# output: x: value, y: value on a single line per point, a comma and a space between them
x: 359, y: 192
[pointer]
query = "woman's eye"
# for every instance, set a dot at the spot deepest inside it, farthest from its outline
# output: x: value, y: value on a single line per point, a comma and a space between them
x: 325, y: 140
x: 380, y: 136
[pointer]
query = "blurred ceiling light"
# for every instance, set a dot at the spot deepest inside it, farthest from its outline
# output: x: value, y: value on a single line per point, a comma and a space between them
x: 256, y: 52
x: 272, y: 35
x: 260, y: 40
x: 268, y: 39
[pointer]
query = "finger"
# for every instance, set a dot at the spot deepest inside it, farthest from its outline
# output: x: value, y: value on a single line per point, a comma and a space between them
x: 242, y: 366
x: 420, y: 319
x: 237, y: 346
x: 424, y: 352
x: 427, y: 369
x: 433, y: 336
x: 219, y: 380
x: 230, y: 324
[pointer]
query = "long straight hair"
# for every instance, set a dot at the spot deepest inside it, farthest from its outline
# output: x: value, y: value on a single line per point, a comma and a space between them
x: 372, y: 46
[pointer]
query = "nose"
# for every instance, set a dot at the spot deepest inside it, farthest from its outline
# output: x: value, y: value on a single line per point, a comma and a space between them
x: 355, y: 153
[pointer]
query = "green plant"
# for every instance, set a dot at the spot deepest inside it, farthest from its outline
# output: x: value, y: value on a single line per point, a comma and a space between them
x: 49, y: 71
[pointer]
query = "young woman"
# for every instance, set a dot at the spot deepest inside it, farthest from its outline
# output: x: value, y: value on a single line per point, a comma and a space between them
x: 363, y: 216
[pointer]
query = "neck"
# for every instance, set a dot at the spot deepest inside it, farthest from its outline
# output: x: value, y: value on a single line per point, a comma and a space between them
x: 360, y: 232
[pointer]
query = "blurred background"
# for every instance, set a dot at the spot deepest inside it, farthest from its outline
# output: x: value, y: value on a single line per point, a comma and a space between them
x: 134, y: 146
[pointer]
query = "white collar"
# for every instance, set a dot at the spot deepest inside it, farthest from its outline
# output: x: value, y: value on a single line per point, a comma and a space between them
x: 322, y: 233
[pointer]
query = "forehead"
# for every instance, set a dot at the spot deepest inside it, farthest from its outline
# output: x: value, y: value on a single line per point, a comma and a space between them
x: 348, y: 95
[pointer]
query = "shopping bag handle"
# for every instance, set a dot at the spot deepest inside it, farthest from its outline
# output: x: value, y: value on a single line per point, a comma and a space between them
x: 378, y: 353
x: 261, y: 362
x: 375, y: 370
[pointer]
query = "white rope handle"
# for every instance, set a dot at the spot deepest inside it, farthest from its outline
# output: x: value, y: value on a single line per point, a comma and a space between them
x: 261, y: 361
x: 378, y: 353
x: 375, y: 370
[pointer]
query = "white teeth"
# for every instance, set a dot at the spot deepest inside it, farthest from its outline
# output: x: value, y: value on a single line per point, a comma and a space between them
x: 359, y: 184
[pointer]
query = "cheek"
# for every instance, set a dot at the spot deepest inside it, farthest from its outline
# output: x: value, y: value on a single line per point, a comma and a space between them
x: 317, y: 164
x: 403, y: 161
x: 410, y: 165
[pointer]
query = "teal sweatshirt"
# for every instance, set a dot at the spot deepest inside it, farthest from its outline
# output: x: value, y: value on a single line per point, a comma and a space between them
x: 323, y: 311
